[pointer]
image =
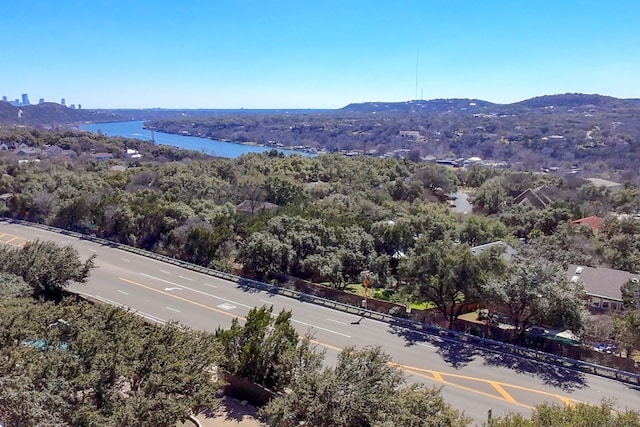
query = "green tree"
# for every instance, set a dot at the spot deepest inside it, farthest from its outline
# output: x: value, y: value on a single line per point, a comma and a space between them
x: 363, y: 389
x: 627, y: 331
x: 534, y: 290
x: 262, y: 349
x: 443, y: 273
x: 631, y: 294
x: 46, y: 266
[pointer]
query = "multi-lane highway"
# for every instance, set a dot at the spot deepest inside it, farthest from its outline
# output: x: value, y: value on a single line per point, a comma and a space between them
x: 472, y: 380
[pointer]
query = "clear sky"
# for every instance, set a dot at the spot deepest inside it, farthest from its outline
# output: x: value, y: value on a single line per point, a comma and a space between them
x: 314, y: 54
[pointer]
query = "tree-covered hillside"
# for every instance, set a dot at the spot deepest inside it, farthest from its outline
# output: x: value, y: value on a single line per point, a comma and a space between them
x: 591, y: 132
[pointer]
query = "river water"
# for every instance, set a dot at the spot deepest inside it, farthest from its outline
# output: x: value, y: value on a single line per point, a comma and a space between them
x: 134, y: 129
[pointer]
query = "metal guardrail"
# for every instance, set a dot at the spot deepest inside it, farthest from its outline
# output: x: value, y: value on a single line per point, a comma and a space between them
x: 443, y: 334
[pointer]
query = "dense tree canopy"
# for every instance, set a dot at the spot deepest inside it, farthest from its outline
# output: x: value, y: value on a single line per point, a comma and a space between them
x: 363, y: 389
x: 78, y: 364
x: 535, y: 291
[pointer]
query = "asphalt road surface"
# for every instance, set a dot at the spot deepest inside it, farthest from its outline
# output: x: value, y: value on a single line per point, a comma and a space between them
x: 472, y: 379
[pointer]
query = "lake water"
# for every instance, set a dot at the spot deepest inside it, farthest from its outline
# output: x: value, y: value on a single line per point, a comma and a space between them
x: 209, y: 146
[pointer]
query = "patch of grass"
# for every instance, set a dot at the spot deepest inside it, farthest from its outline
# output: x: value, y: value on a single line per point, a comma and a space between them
x: 386, y: 295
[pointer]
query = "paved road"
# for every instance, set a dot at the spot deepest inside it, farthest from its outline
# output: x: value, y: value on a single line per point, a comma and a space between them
x: 472, y: 380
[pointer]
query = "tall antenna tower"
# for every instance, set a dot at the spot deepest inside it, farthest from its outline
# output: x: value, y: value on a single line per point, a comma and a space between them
x: 417, y: 63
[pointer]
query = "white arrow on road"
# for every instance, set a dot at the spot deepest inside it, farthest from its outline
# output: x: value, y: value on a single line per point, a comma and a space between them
x: 172, y: 289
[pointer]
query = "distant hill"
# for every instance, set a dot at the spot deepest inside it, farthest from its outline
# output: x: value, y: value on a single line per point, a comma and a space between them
x: 417, y: 106
x: 564, y: 101
x: 570, y: 100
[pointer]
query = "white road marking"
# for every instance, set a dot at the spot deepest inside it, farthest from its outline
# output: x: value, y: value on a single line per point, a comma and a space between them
x: 186, y: 278
x: 285, y: 300
x: 322, y: 329
x: 164, y: 271
x: 336, y: 321
x: 426, y: 345
x: 210, y: 285
x: 195, y: 290
x: 226, y: 306
x: 266, y: 302
x: 173, y: 309
x: 92, y: 250
x: 123, y: 292
x: 124, y: 259
x: 173, y: 289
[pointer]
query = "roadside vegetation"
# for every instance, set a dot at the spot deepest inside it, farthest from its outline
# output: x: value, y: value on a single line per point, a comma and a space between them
x: 332, y: 219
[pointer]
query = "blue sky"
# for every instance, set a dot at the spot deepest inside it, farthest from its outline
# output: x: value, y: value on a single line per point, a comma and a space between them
x: 314, y: 54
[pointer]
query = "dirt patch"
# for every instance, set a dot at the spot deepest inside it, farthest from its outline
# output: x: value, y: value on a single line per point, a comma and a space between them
x: 231, y: 413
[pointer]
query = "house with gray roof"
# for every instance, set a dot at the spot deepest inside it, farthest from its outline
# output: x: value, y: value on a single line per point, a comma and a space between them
x: 602, y: 285
x: 508, y: 251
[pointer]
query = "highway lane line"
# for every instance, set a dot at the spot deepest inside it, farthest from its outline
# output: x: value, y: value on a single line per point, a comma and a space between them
x: 125, y: 260
x: 206, y: 307
x: 217, y: 310
x: 438, y: 378
x: 426, y: 345
x: 266, y: 302
x: 415, y: 370
x: 336, y: 321
x: 320, y: 328
x: 502, y: 392
x: 186, y: 278
x: 173, y: 309
x: 92, y: 250
x: 164, y: 271
x: 288, y: 301
x: 196, y: 290
x: 210, y: 285
x: 126, y: 308
x: 123, y: 292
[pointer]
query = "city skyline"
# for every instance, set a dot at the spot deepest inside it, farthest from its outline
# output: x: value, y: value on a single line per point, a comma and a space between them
x: 282, y: 54
x: 24, y: 100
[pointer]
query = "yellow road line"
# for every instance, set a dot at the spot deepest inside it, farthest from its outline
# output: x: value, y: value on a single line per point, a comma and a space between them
x: 206, y: 307
x: 432, y: 375
x: 502, y: 392
x: 465, y: 388
x: 518, y: 387
x: 438, y: 377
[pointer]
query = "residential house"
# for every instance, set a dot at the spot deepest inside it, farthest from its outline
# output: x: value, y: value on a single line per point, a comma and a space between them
x: 412, y: 134
x: 593, y: 222
x: 5, y: 198
x: 27, y: 151
x: 609, y: 185
x: 130, y: 153
x: 101, y: 157
x: 602, y: 285
x: 508, y: 251
x: 536, y: 198
x: 254, y: 207
x: 52, y: 151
